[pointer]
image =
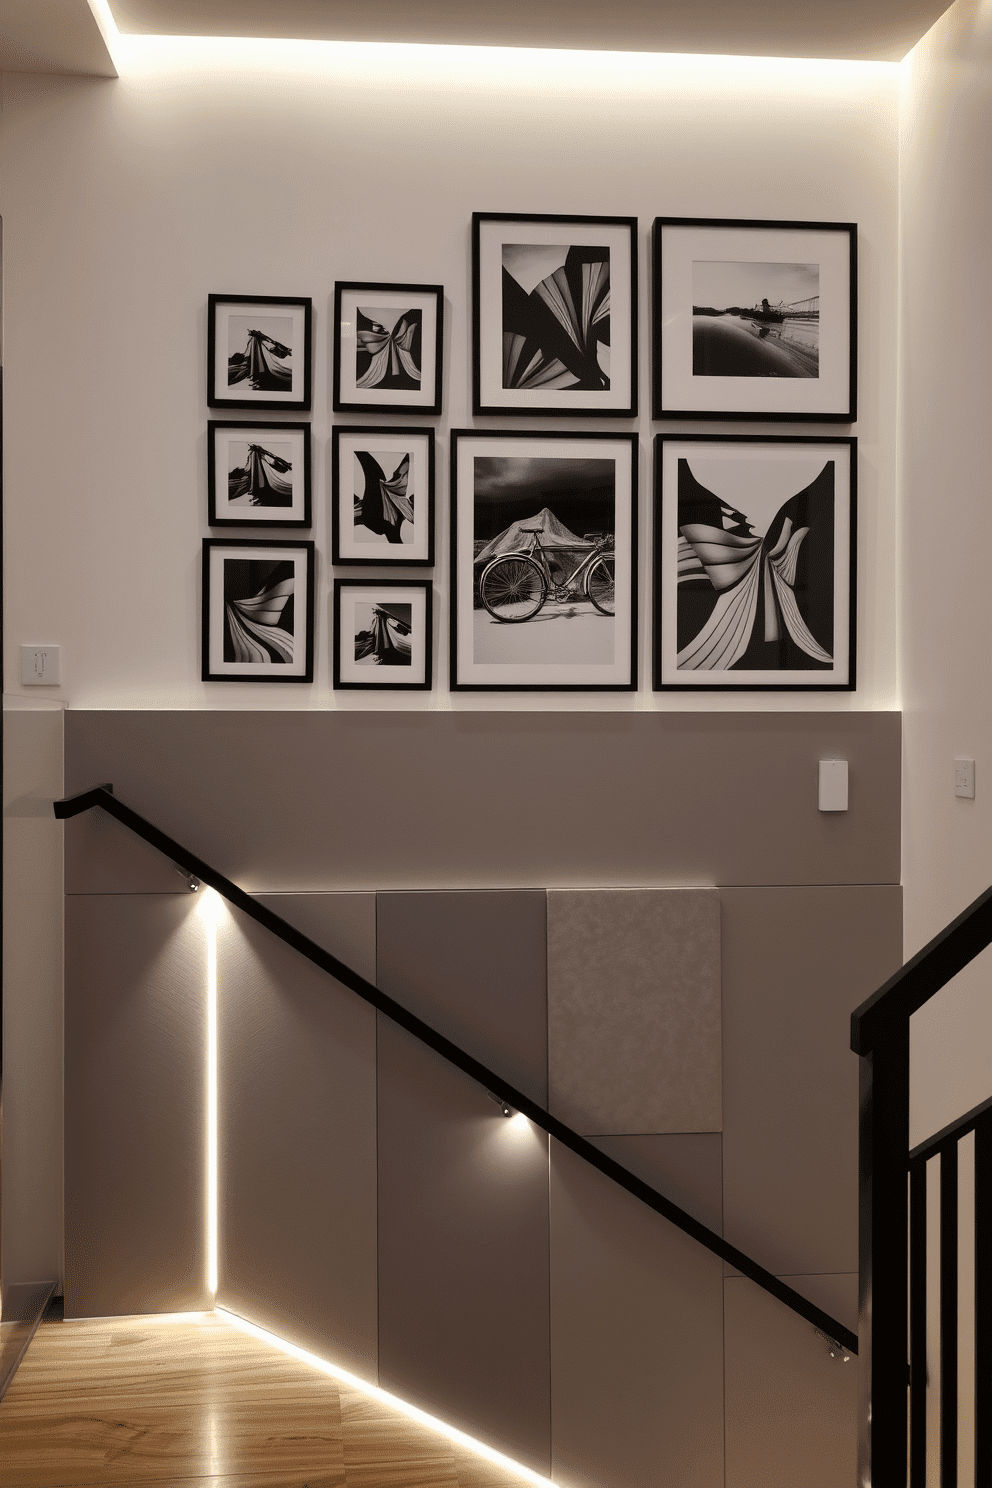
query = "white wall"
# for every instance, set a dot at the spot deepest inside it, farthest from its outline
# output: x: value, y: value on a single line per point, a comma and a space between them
x: 273, y: 168
x: 945, y: 603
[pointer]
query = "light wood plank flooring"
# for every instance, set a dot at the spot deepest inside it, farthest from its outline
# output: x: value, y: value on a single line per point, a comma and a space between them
x: 197, y: 1403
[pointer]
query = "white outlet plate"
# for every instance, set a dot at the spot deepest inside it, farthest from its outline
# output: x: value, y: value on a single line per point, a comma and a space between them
x: 964, y: 779
x: 41, y: 666
x: 832, y: 794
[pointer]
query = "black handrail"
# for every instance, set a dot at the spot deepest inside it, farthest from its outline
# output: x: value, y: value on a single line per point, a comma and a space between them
x: 103, y: 797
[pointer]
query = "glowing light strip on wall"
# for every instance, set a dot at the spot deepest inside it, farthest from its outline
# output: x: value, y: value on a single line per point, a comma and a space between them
x: 391, y: 1402
x: 210, y: 909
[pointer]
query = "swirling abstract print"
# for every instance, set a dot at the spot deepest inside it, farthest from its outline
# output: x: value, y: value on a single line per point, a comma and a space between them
x: 728, y: 573
x: 259, y: 611
x: 259, y: 482
x: 556, y: 328
x: 265, y: 363
x: 388, y: 640
x: 388, y: 352
x: 384, y: 504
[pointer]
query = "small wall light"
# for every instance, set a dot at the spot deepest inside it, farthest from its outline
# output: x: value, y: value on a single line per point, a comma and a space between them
x: 506, y: 1110
x: 191, y: 883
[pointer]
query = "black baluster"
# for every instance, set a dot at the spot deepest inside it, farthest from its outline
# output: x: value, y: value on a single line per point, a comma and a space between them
x: 983, y: 1302
x: 918, y: 1323
x: 949, y: 1315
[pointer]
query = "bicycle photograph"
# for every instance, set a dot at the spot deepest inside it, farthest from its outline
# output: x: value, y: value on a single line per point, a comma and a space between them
x: 515, y: 586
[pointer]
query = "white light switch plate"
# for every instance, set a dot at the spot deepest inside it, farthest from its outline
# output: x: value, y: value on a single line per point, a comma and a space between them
x: 833, y: 785
x: 964, y: 779
x: 41, y: 666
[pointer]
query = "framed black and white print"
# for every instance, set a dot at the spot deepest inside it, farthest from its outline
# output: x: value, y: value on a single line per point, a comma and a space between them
x: 554, y: 314
x: 543, y: 562
x: 258, y: 475
x: 258, y: 610
x: 388, y: 341
x: 382, y: 496
x: 755, y: 572
x: 383, y: 634
x: 258, y: 352
x: 755, y: 320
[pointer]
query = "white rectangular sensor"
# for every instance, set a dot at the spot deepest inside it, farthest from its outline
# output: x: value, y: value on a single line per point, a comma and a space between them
x: 964, y: 779
x: 41, y: 666
x: 833, y: 785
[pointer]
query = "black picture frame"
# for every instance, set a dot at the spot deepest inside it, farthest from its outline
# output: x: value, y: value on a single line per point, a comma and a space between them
x: 254, y: 626
x: 272, y: 452
x: 757, y: 590
x: 376, y: 449
x: 520, y: 334
x: 567, y: 643
x: 408, y: 351
x: 737, y: 329
x: 281, y: 323
x: 383, y: 635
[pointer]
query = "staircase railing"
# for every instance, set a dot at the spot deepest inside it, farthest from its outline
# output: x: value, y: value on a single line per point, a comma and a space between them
x: 893, y: 1231
x: 102, y: 796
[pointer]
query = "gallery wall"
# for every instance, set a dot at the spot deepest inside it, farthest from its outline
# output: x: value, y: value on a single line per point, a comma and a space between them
x: 277, y: 169
x: 945, y: 601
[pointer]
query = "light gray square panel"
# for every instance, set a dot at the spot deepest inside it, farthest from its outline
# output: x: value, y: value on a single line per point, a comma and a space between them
x: 634, y: 1009
x: 636, y: 1340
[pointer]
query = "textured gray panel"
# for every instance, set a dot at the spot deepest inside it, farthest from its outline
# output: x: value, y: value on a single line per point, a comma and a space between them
x: 515, y: 799
x: 686, y: 1167
x: 463, y: 1252
x: 634, y: 1009
x: 297, y: 1140
x: 135, y: 1067
x: 796, y: 962
x: 474, y: 965
x: 791, y: 1409
x: 636, y: 1340
x: 343, y: 924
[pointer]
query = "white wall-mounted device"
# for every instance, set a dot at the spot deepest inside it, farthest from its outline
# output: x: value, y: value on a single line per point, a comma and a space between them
x: 41, y: 666
x: 833, y: 785
x: 964, y: 779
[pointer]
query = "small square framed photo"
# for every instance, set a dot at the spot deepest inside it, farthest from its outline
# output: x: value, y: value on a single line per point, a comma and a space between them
x: 259, y: 352
x: 383, y: 634
x: 382, y: 496
x: 543, y: 562
x: 755, y: 320
x: 258, y: 610
x: 554, y: 314
x: 258, y: 475
x: 388, y: 341
x: 755, y: 574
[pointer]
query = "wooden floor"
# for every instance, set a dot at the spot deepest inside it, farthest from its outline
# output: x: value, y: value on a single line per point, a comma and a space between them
x: 197, y: 1403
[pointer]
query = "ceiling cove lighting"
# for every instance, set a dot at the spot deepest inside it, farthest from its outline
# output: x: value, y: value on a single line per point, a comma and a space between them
x: 392, y: 1402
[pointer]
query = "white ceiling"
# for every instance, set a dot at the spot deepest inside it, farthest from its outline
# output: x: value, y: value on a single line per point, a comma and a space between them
x: 63, y: 35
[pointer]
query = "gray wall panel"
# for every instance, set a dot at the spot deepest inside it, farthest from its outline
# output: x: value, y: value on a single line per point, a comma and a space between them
x: 343, y: 924
x: 135, y: 1105
x: 508, y: 799
x: 634, y: 1009
x: 686, y: 1167
x: 463, y: 1252
x: 636, y: 1340
x: 297, y: 1144
x: 796, y: 962
x: 474, y: 965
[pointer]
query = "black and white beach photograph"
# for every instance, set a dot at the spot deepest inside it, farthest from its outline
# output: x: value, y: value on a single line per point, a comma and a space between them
x: 388, y: 347
x: 383, y: 634
x: 542, y: 546
x: 554, y: 305
x: 257, y: 611
x: 258, y: 352
x: 755, y: 320
x: 754, y: 563
x: 382, y: 482
x: 258, y: 475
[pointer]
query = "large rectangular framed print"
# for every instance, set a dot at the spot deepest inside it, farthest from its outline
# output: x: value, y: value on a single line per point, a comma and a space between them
x: 543, y: 561
x: 388, y: 348
x: 258, y: 610
x: 382, y: 496
x: 259, y: 352
x: 554, y: 315
x: 755, y: 576
x: 383, y: 634
x: 258, y: 475
x: 755, y: 320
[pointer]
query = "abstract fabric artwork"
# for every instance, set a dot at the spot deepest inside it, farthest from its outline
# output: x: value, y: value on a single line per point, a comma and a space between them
x: 257, y: 611
x: 383, y: 634
x: 554, y: 314
x: 258, y: 474
x: 383, y: 495
x: 754, y: 572
x: 258, y: 352
x: 388, y: 347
